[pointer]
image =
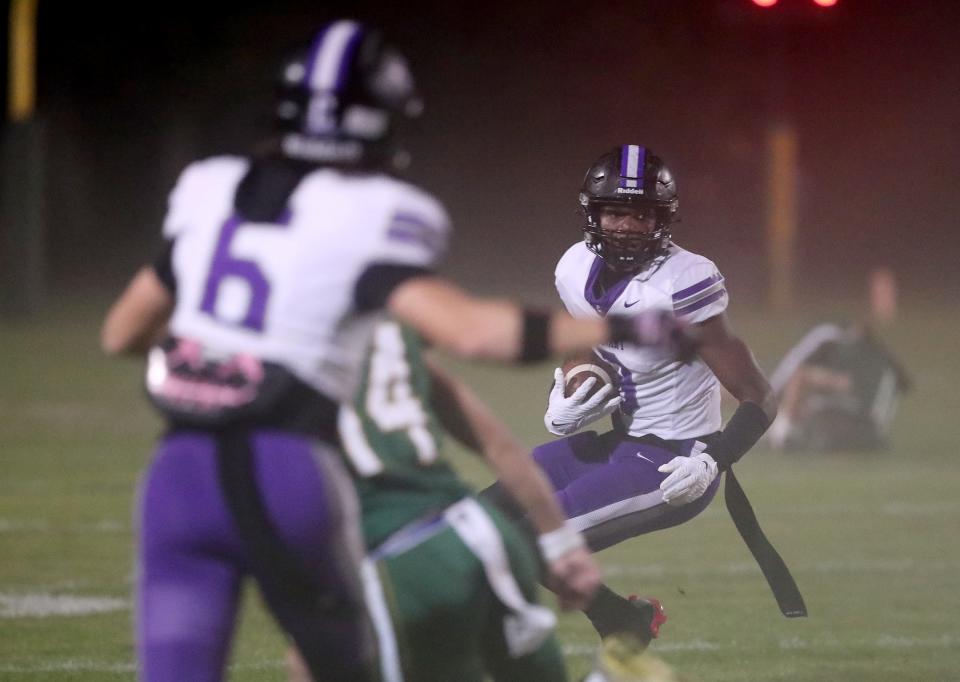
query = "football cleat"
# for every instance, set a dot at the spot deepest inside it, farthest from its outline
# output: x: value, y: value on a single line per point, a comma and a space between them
x: 658, y: 615
x: 638, y: 617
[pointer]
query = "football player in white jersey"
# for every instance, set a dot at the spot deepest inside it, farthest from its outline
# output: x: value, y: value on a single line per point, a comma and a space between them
x: 659, y: 464
x: 276, y: 269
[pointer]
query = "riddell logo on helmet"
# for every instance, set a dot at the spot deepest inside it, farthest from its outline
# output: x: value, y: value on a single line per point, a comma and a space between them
x: 629, y: 190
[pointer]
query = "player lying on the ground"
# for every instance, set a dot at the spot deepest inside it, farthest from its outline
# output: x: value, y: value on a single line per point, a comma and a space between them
x: 452, y: 581
x: 658, y: 466
x: 838, y: 389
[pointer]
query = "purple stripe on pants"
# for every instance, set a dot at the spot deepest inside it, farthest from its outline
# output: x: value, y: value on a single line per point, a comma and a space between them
x: 610, y: 486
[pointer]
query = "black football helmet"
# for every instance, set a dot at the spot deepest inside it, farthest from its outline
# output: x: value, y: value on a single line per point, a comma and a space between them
x: 338, y: 99
x: 629, y: 177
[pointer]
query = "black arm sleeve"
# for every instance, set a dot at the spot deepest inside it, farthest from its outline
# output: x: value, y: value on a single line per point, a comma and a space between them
x: 744, y: 429
x: 163, y: 266
x: 379, y: 280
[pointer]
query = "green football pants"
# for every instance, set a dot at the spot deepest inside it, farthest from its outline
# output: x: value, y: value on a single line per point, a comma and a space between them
x: 459, y: 590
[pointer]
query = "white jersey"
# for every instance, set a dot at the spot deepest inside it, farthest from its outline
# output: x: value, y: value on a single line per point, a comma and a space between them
x: 284, y: 291
x: 661, y: 396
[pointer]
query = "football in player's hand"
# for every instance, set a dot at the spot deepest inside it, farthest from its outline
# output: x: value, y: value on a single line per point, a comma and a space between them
x: 578, y: 369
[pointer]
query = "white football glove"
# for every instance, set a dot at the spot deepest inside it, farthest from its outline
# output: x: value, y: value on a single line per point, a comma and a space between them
x: 566, y: 415
x: 689, y: 478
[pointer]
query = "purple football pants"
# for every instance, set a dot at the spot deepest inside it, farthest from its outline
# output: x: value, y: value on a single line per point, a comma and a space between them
x: 193, y: 555
x: 609, y: 487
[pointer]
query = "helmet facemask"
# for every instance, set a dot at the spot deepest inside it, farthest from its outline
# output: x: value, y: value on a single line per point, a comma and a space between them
x: 629, y: 179
x: 626, y: 251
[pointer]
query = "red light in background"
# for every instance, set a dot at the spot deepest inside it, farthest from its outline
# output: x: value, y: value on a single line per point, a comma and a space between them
x: 766, y: 3
x: 826, y: 3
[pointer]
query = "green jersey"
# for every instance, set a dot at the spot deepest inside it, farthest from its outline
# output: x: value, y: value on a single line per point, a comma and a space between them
x: 438, y: 552
x: 392, y: 438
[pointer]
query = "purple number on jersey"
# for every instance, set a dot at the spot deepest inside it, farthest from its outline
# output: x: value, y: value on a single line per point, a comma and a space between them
x: 225, y: 265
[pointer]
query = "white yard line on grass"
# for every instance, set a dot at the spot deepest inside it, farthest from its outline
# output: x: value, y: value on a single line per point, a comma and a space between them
x: 8, y: 525
x: 827, y: 641
x: 935, y: 508
x: 856, y: 566
x: 879, y: 642
x: 69, y: 665
x: 16, y: 526
x: 76, y: 665
x: 42, y: 605
x: 584, y: 649
x: 888, y: 508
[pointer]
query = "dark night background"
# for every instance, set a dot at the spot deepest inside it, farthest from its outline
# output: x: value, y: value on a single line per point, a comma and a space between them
x: 520, y: 98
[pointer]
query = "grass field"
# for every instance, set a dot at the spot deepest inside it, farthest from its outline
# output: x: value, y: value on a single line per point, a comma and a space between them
x: 874, y: 541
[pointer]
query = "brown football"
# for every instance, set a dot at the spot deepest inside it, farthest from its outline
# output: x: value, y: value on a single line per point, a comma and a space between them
x: 579, y: 368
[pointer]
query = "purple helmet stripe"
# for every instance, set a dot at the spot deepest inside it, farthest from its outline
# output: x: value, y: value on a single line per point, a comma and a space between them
x: 632, y: 160
x: 344, y: 71
x: 329, y: 57
x: 312, y: 54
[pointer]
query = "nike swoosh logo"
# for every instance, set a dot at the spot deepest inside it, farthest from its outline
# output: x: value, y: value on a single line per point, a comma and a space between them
x: 646, y: 458
x: 627, y: 305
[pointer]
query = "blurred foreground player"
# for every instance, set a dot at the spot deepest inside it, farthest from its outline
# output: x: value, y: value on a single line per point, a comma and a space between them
x: 454, y: 580
x: 659, y: 464
x: 276, y: 268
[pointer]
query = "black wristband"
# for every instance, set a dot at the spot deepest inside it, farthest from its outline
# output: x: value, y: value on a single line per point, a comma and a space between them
x: 536, y: 333
x: 744, y: 429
